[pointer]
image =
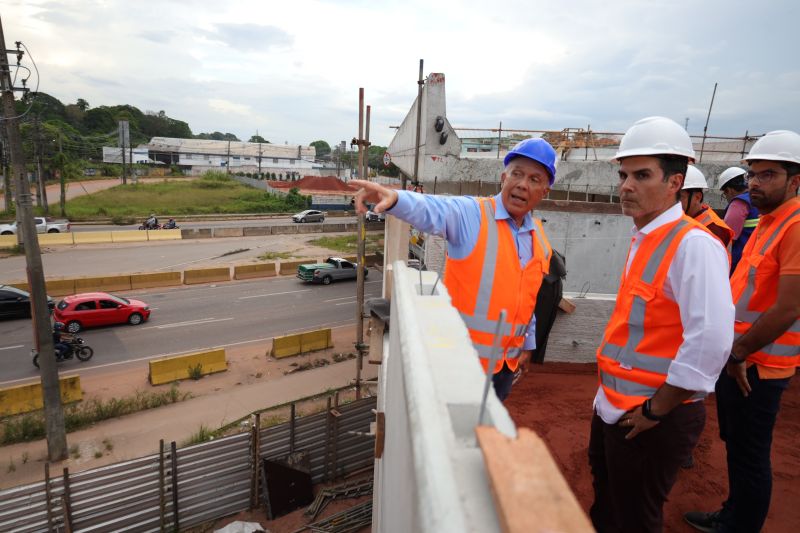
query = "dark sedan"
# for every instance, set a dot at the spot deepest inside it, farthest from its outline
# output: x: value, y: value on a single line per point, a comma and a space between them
x: 16, y: 303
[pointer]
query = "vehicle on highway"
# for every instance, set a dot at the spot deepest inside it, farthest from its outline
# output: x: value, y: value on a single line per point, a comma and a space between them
x: 309, y: 215
x: 375, y: 217
x: 77, y: 348
x: 43, y: 225
x: 16, y: 303
x: 91, y: 309
x: 333, y: 269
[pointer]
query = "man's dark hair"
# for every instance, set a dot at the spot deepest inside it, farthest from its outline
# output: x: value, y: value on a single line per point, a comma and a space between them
x: 673, y: 164
x: 792, y: 169
x: 737, y: 184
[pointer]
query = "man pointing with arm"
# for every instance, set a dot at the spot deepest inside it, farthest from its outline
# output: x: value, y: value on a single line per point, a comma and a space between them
x: 497, y: 252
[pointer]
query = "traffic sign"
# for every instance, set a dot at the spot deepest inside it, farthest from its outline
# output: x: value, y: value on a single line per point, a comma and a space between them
x: 387, y: 159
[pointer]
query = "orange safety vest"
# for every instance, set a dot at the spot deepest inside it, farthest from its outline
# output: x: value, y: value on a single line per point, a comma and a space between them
x: 708, y: 218
x: 491, y: 279
x: 644, y: 332
x: 755, y: 289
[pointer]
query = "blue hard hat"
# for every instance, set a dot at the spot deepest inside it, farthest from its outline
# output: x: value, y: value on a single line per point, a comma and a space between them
x: 538, y: 150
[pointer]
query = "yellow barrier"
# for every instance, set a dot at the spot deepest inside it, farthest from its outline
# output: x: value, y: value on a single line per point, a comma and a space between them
x: 164, y: 235
x: 60, y: 287
x: 309, y: 341
x: 289, y: 268
x: 104, y: 283
x: 26, y: 398
x: 7, y: 241
x: 205, y: 275
x: 128, y: 236
x: 260, y: 270
x: 178, y: 367
x: 91, y: 237
x: 159, y: 279
x: 56, y: 238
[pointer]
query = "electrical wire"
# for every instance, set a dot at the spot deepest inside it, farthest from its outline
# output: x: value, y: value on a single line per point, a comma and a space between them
x: 35, y: 91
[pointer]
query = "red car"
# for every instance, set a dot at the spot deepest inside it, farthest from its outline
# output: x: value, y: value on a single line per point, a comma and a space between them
x: 90, y: 309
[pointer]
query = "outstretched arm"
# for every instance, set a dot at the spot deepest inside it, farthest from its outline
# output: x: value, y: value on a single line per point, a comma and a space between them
x: 383, y: 197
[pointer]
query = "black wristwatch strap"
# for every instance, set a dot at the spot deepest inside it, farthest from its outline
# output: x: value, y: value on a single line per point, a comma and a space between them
x: 733, y: 359
x: 648, y: 414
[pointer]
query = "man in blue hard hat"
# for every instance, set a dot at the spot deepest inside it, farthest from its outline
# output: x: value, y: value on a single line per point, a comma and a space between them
x: 497, y: 253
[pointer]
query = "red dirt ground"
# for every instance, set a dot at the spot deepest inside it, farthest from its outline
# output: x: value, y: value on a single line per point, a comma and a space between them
x: 315, y: 183
x: 555, y: 400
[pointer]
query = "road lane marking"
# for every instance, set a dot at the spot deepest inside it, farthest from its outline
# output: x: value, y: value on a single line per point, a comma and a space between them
x: 188, y: 323
x: 345, y: 303
x: 271, y: 294
x: 337, y: 299
x: 12, y: 347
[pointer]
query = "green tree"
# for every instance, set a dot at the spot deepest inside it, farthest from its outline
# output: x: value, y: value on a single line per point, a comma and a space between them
x: 99, y: 120
x: 82, y: 104
x: 323, y: 148
x: 258, y: 139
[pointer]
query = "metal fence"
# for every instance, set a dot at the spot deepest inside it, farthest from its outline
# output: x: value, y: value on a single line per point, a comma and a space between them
x: 202, y: 482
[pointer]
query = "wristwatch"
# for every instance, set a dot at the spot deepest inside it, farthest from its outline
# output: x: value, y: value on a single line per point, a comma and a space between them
x: 648, y: 414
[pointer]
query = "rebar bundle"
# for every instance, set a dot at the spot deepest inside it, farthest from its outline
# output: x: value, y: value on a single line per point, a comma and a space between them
x: 346, y: 490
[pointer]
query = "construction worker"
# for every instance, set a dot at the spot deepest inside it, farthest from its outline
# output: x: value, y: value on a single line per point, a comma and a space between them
x: 694, y: 187
x: 666, y: 340
x: 766, y: 350
x: 497, y: 253
x: 740, y: 215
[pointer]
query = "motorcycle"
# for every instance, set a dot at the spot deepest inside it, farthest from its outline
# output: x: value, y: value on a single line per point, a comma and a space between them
x: 77, y: 348
x: 150, y: 226
x: 170, y: 224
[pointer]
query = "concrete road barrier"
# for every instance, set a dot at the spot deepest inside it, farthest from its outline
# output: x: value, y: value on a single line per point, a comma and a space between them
x: 309, y: 228
x: 27, y: 398
x: 257, y: 231
x: 228, y: 232
x: 56, y: 238
x: 335, y: 228
x: 91, y: 237
x: 206, y: 275
x: 164, y: 235
x: 59, y: 287
x: 104, y: 283
x: 7, y: 241
x: 128, y: 236
x: 158, y: 279
x: 187, y: 366
x: 309, y: 341
x: 260, y: 270
x: 285, y: 230
x: 289, y: 268
x: 190, y: 233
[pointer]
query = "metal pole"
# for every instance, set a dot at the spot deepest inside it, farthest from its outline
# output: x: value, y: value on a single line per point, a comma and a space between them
x: 162, y: 502
x: 173, y: 459
x: 67, y: 501
x: 744, y: 144
x: 361, y: 265
x: 43, y: 339
x: 705, y: 128
x: 499, y: 138
x: 415, y: 177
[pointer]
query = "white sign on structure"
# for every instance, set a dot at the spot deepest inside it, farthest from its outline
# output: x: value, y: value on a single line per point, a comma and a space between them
x: 387, y: 159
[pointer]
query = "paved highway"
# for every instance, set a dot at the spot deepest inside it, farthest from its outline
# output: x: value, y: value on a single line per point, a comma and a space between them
x: 268, y: 220
x: 186, y: 319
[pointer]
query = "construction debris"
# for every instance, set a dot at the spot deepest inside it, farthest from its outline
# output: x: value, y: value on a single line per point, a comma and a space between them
x: 346, y: 490
x: 347, y: 521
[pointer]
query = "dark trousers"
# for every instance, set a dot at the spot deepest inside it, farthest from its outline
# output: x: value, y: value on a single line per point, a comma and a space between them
x: 502, y: 382
x: 745, y: 424
x: 632, y: 478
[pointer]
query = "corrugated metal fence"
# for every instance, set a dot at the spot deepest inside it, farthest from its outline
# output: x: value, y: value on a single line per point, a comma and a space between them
x: 204, y: 481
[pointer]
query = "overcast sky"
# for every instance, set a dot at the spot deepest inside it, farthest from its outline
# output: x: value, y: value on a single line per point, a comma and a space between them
x: 292, y: 69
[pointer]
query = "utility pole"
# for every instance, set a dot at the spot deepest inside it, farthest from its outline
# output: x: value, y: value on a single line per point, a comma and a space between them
x: 4, y: 167
x: 51, y: 390
x: 363, y: 164
x: 259, y: 155
x: 62, y: 202
x: 39, y: 171
x: 415, y: 178
x: 228, y: 163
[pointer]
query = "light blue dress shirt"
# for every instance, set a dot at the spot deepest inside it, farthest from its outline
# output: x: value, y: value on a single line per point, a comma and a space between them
x: 458, y: 220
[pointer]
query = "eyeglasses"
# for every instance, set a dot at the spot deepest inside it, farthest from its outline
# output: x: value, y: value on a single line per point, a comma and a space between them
x: 762, y: 177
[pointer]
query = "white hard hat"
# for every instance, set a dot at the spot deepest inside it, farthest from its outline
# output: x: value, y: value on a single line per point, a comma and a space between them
x: 779, y: 145
x: 730, y: 173
x: 655, y: 136
x: 694, y: 179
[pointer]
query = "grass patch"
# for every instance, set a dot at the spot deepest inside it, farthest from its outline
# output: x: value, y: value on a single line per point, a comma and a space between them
x: 196, y: 371
x: 201, y: 435
x: 348, y: 243
x: 31, y: 426
x: 269, y: 256
x: 213, y: 193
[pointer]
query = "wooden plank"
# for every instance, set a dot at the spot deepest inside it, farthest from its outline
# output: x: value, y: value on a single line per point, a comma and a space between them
x: 376, y: 330
x: 566, y: 306
x: 529, y: 492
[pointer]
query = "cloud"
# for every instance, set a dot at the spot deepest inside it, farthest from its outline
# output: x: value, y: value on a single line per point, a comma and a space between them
x: 226, y: 106
x: 160, y: 37
x: 249, y: 37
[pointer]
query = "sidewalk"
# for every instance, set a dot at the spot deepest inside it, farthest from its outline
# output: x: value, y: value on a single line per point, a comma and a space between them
x: 253, y: 382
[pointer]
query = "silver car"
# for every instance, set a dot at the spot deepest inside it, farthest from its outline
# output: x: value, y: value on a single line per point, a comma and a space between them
x: 309, y: 215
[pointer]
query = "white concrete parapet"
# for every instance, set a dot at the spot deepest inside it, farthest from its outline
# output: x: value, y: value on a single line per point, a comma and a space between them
x: 431, y: 476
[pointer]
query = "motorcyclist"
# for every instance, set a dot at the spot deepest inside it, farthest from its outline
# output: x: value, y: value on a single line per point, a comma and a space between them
x: 151, y: 222
x: 59, y: 336
x: 170, y: 224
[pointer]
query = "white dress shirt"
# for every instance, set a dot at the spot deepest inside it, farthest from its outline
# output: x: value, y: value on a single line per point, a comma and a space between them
x: 697, y: 281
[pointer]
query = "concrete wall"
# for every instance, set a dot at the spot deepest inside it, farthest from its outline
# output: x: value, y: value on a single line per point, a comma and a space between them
x: 431, y: 477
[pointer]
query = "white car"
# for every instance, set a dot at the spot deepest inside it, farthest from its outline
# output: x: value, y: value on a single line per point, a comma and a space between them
x: 375, y: 217
x: 309, y: 215
x: 43, y: 225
